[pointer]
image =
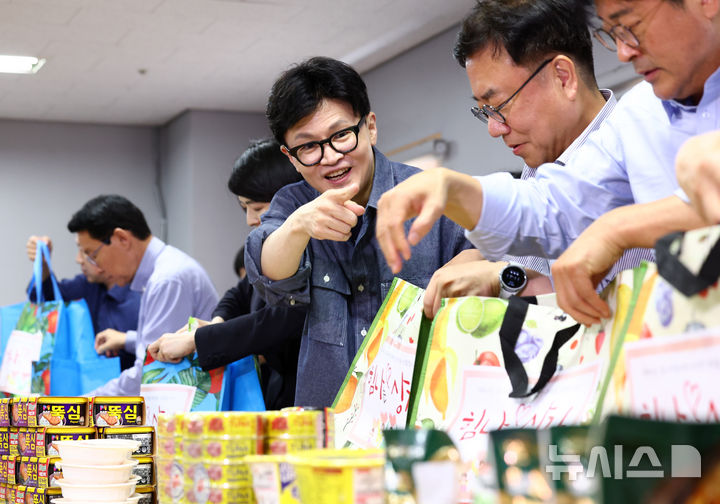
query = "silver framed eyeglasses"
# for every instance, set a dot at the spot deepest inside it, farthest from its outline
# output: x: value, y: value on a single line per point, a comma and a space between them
x: 90, y: 257
x: 487, y: 112
x: 342, y: 141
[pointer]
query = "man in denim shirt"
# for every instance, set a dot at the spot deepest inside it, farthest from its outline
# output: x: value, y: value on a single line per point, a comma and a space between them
x: 316, y: 244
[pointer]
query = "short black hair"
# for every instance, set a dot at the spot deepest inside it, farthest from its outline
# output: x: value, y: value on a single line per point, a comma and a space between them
x: 102, y: 214
x: 529, y: 30
x: 298, y: 92
x: 261, y: 170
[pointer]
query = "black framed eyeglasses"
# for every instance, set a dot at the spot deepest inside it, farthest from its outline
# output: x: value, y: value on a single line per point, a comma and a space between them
x: 608, y: 38
x: 90, y: 257
x: 487, y: 112
x: 343, y: 141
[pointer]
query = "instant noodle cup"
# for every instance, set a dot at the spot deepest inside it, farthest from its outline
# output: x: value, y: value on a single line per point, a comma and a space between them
x: 45, y: 438
x: 273, y: 479
x: 280, y: 445
x: 221, y: 447
x: 98, y: 492
x: 233, y: 423
x: 55, y: 411
x: 349, y: 476
x: 135, y: 498
x: 144, y: 435
x: 100, y: 451
x: 118, y: 411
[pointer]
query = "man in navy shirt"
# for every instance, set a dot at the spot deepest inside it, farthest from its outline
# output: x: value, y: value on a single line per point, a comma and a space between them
x: 112, y: 308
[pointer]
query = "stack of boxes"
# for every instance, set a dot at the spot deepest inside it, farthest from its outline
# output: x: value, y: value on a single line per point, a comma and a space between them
x: 30, y: 425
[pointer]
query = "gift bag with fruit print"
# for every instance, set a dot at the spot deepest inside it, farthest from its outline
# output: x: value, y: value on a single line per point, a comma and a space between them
x: 51, y: 351
x: 376, y: 392
x: 492, y: 364
x: 662, y: 369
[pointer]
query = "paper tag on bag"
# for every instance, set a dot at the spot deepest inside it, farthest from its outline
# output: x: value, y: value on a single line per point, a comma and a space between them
x: 163, y: 398
x: 22, y: 350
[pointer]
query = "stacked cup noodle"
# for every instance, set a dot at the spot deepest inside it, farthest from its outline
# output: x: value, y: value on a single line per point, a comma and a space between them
x: 209, y: 457
x: 98, y: 471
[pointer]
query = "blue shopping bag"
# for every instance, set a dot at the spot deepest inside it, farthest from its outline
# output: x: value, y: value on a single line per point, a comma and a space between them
x: 68, y: 365
x: 243, y: 392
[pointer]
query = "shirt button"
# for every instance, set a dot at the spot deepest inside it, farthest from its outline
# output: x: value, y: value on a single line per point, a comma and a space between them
x: 361, y: 288
x: 292, y: 302
x: 363, y: 332
x: 326, y: 278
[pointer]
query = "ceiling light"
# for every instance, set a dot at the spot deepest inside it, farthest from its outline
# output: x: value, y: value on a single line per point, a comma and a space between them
x: 20, y: 64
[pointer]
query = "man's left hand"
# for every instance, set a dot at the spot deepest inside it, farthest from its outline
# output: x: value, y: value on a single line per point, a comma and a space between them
x: 109, y: 342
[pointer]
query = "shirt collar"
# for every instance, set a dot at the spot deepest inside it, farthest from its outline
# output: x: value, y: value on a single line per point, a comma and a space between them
x: 382, y: 178
x: 711, y: 92
x: 147, y: 264
x: 118, y: 293
x: 610, y: 102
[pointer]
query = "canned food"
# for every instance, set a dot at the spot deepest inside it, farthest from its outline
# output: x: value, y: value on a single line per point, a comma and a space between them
x: 46, y: 436
x: 51, y: 411
x: 22, y: 441
x: 33, y: 495
x: 294, y: 423
x: 4, y: 493
x: 165, y: 425
x: 281, y: 445
x: 166, y: 446
x: 5, y: 412
x: 144, y: 470
x: 117, y: 411
x: 324, y: 421
x: 5, y: 441
x: 170, y: 479
x: 273, y: 479
x: 147, y: 494
x: 218, y: 494
x: 221, y: 447
x: 34, y: 471
x: 233, y: 423
x: 219, y: 471
x: 145, y: 435
x: 5, y: 462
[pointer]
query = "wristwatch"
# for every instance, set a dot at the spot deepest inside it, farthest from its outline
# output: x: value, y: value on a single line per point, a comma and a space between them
x: 513, y: 279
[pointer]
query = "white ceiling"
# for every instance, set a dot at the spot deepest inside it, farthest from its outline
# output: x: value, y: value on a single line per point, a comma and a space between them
x: 145, y: 61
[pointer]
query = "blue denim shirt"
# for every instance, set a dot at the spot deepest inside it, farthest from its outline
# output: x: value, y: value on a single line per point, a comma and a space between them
x: 344, y: 283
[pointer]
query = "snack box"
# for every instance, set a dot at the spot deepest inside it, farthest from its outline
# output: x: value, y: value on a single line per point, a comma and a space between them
x: 5, y: 412
x: 33, y: 495
x: 111, y: 411
x: 45, y: 436
x: 50, y: 412
x: 4, y: 441
x: 146, y: 436
x: 34, y: 471
x: 22, y: 441
x: 148, y: 495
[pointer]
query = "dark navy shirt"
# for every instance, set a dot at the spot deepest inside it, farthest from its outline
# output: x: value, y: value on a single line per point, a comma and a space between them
x: 344, y: 283
x: 116, y: 308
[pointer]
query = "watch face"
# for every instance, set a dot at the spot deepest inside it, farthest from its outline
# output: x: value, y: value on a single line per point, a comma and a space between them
x: 513, y: 277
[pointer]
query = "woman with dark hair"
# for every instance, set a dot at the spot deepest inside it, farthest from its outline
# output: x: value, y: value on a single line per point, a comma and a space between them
x: 242, y: 324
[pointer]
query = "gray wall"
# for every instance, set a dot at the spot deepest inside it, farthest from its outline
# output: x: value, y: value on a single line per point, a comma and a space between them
x: 47, y: 171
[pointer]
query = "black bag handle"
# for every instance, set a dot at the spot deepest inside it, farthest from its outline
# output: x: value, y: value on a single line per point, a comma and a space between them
x: 671, y: 268
x: 510, y: 332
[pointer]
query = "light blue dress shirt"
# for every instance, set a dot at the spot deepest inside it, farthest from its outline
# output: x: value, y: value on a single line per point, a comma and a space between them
x: 174, y: 287
x: 629, y: 159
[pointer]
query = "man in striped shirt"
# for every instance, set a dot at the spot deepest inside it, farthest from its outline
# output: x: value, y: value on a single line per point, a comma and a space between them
x: 531, y: 70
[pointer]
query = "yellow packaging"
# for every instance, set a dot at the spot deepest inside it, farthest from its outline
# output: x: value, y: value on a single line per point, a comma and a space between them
x: 166, y: 446
x: 32, y: 495
x: 170, y: 479
x: 233, y: 471
x: 147, y: 494
x: 273, y: 479
x: 219, y: 423
x: 114, y: 411
x: 5, y: 412
x: 221, y: 447
x: 331, y: 476
x: 46, y: 436
x: 49, y: 411
x: 218, y: 494
x: 293, y: 423
x: 280, y: 445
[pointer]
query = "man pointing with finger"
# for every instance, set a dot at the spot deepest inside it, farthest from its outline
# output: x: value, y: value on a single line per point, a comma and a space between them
x: 316, y: 244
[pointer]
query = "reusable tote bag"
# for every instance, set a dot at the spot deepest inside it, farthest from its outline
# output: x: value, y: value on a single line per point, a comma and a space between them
x: 376, y: 393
